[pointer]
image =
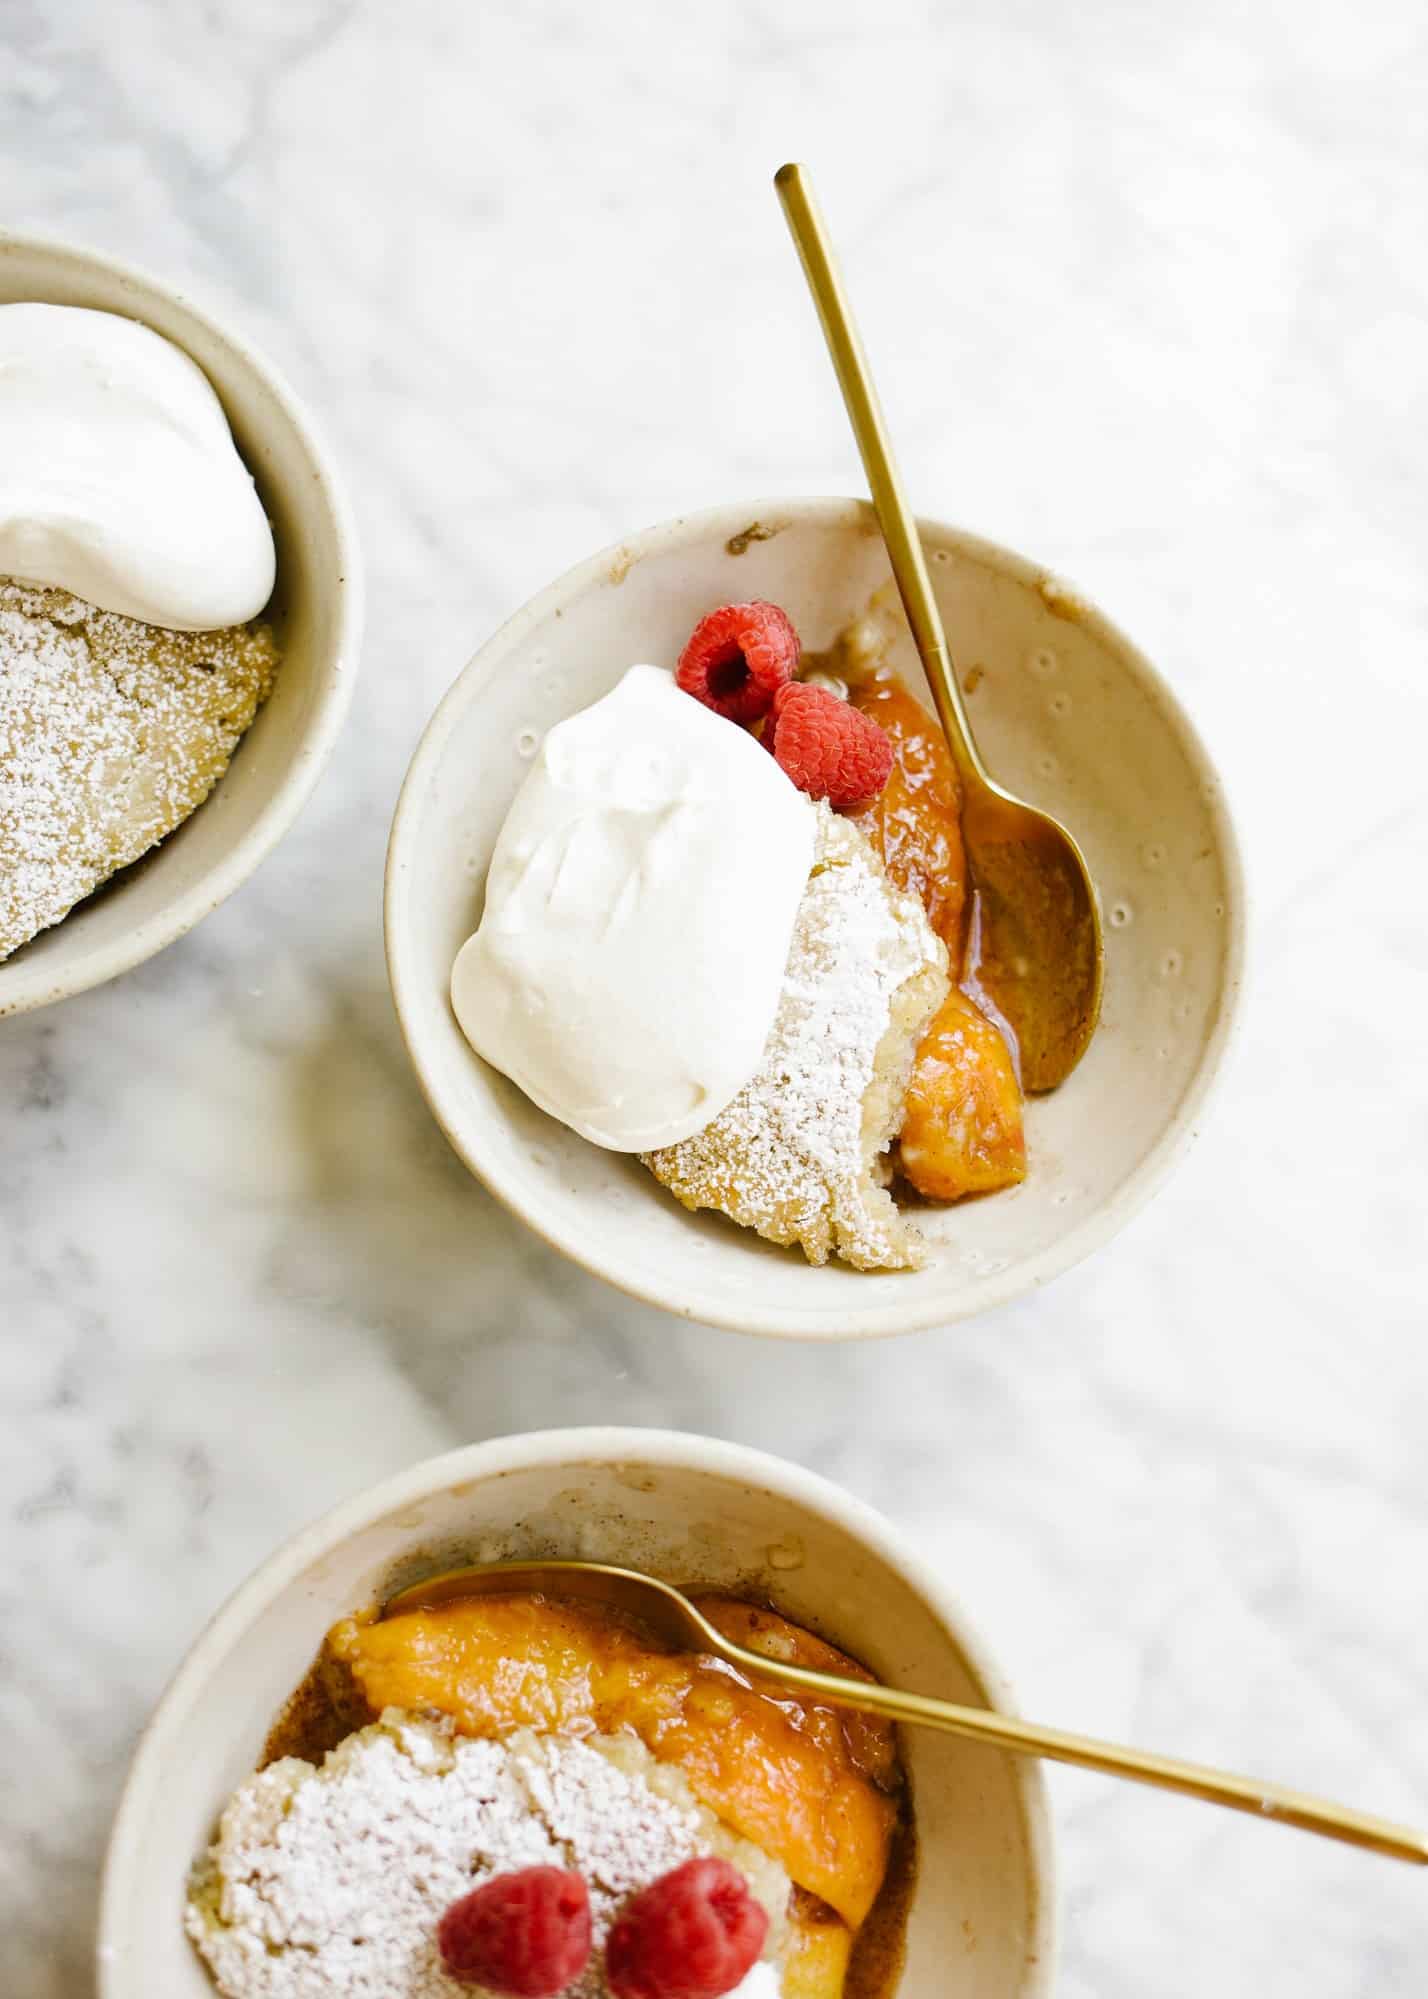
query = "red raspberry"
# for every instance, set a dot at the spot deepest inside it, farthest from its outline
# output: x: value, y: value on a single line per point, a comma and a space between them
x: 829, y: 748
x: 737, y: 659
x: 692, y: 1934
x: 526, y: 1935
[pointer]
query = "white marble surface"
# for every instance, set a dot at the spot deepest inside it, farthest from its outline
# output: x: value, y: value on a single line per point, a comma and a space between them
x: 1148, y: 290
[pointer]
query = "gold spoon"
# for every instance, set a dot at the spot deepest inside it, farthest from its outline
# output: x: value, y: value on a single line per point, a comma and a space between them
x: 1042, y: 952
x: 667, y: 1612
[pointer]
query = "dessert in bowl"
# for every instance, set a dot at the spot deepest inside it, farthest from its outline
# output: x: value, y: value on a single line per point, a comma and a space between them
x: 452, y: 1753
x: 179, y: 617
x: 1071, y: 714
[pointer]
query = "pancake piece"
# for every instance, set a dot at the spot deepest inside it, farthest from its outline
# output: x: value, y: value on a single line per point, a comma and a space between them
x: 111, y: 733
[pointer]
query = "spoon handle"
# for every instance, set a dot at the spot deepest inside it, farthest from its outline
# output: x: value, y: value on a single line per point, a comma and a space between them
x: 895, y: 517
x: 1166, y: 1773
x: 683, y: 1625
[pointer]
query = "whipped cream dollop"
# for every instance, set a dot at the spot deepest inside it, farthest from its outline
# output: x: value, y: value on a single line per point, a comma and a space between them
x: 639, y: 907
x: 119, y: 478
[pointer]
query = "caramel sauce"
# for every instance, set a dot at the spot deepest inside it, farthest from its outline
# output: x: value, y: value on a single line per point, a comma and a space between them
x: 322, y: 1710
x: 880, y: 1946
x: 1042, y: 969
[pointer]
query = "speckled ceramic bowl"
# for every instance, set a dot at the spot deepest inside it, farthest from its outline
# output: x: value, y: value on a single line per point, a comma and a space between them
x: 317, y: 609
x: 983, y: 1918
x: 1066, y: 711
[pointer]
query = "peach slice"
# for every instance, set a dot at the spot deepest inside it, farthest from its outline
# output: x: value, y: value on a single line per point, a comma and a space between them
x: 817, y: 1962
x: 784, y: 1772
x: 916, y: 824
x: 962, y: 1129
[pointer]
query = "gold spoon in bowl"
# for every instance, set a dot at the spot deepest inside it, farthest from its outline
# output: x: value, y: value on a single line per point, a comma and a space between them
x: 1042, y: 955
x: 670, y: 1615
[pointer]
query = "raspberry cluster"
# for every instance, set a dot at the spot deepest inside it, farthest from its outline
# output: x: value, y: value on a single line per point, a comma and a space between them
x: 693, y: 1934
x: 741, y: 660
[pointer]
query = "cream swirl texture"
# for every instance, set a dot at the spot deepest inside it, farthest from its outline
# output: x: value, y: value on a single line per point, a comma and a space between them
x: 639, y: 907
x: 119, y: 477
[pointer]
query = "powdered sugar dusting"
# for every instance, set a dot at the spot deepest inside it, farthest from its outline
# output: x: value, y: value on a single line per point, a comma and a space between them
x: 111, y: 733
x: 795, y: 1153
x: 330, y: 1883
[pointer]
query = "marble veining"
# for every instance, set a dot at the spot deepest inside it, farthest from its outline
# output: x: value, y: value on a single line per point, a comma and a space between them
x: 1149, y: 295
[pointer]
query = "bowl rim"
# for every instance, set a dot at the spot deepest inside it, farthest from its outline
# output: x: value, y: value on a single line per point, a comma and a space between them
x: 334, y: 687
x: 496, y: 1458
x: 842, y: 1320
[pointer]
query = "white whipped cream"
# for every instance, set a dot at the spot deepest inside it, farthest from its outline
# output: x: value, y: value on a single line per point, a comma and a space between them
x: 639, y: 907
x: 119, y: 478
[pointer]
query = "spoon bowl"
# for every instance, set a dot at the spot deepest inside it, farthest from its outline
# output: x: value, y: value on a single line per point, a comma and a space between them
x: 1042, y: 957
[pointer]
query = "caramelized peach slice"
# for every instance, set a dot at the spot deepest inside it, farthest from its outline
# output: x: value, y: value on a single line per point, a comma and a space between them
x: 783, y: 1772
x: 916, y: 825
x: 870, y: 1744
x: 962, y: 1121
x: 820, y: 1947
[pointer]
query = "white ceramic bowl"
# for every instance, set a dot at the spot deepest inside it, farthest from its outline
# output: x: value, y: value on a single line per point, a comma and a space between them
x: 317, y: 610
x: 984, y: 1913
x: 1066, y: 711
